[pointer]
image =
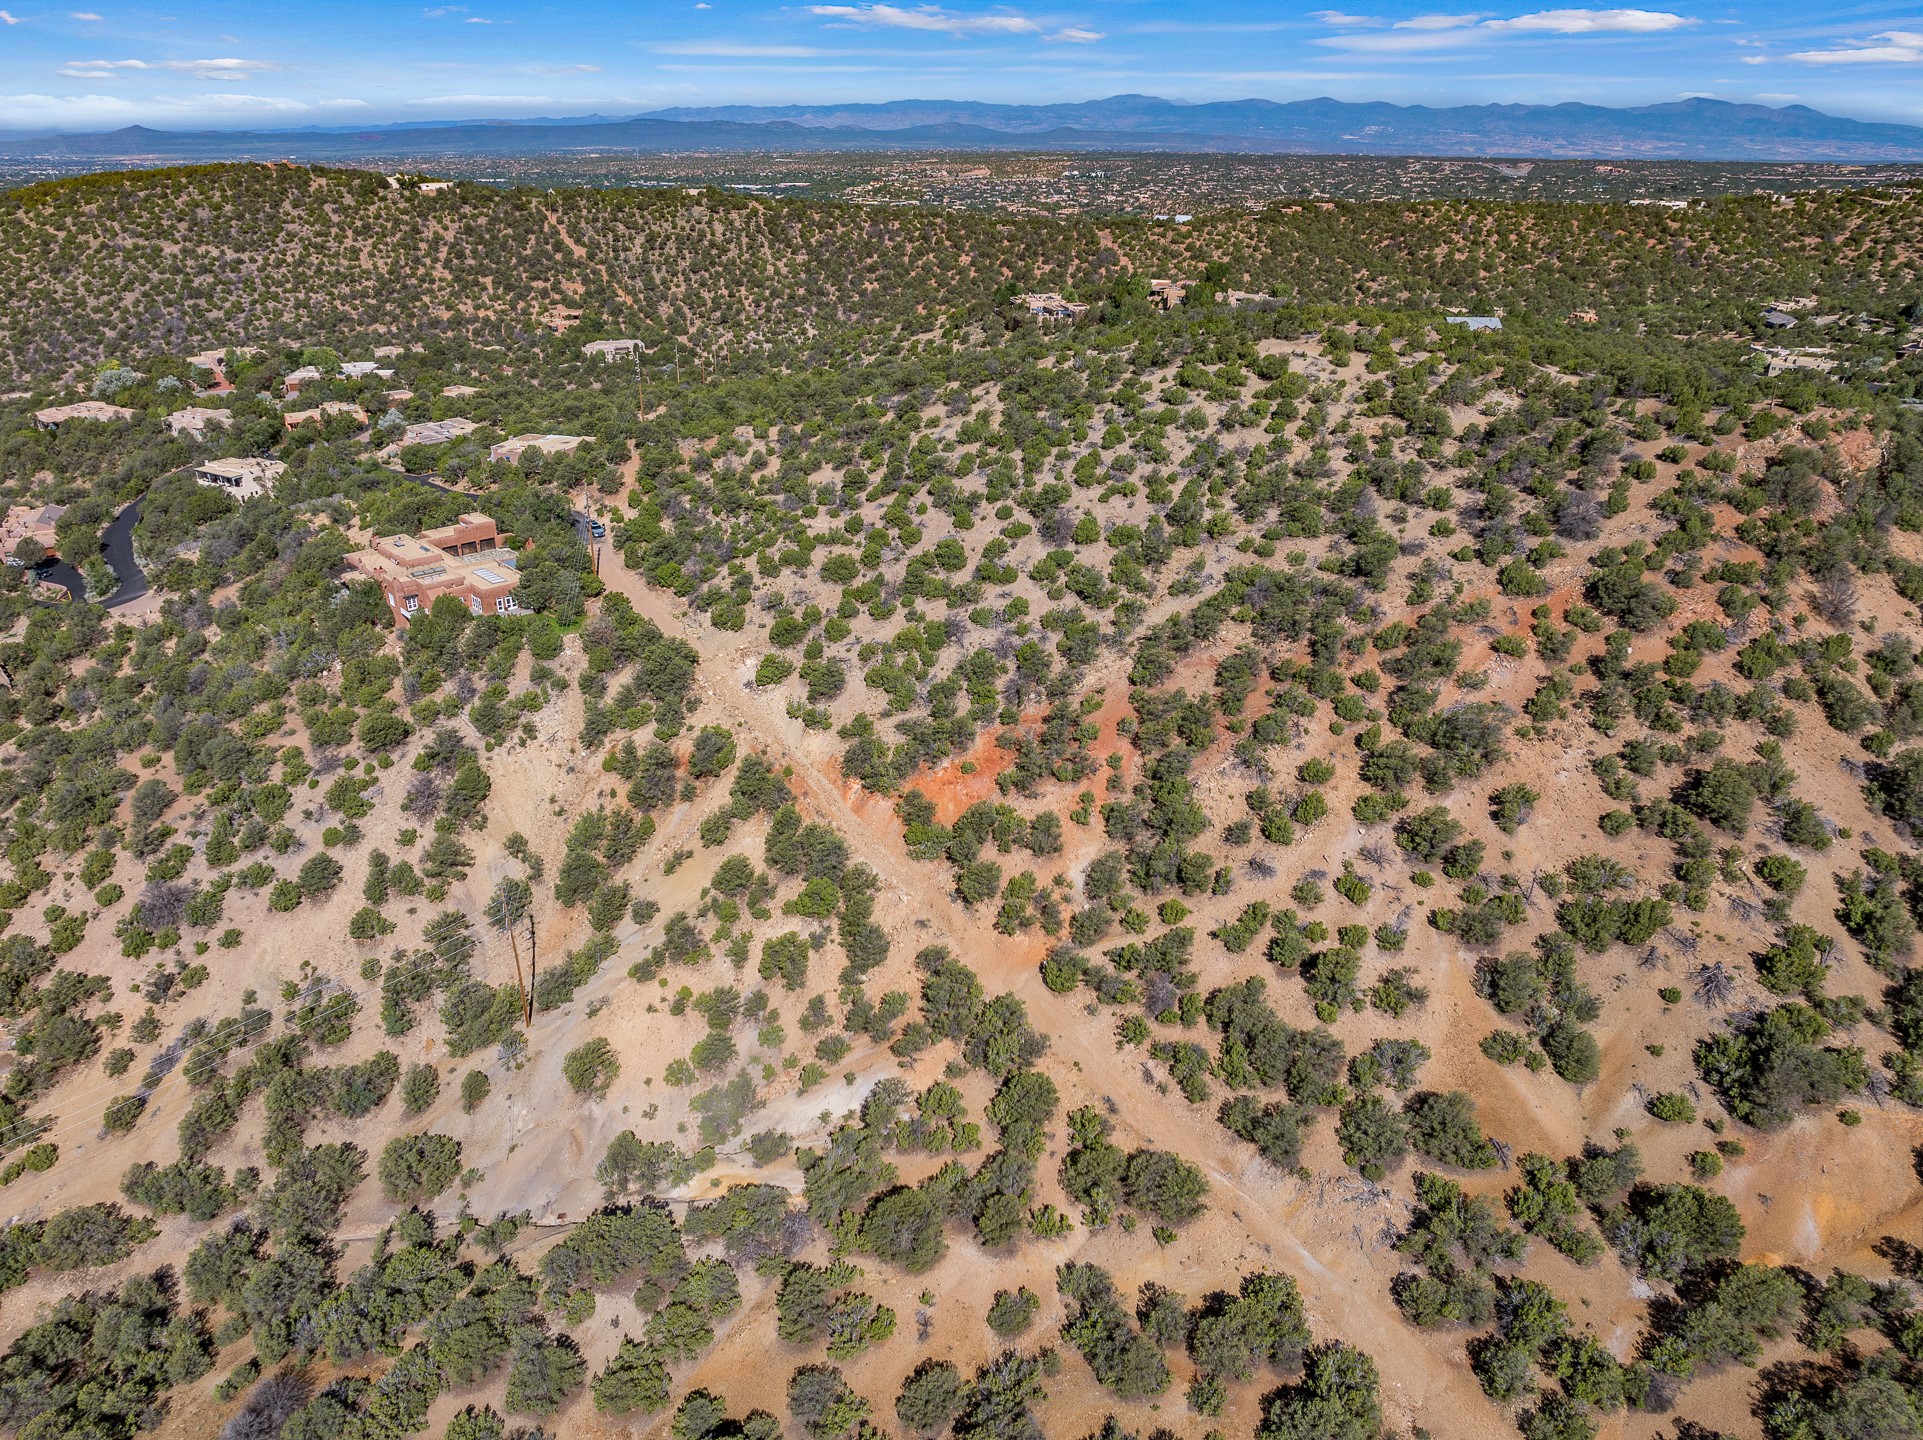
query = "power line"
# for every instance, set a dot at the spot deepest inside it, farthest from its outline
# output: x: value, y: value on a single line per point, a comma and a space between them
x: 27, y: 1130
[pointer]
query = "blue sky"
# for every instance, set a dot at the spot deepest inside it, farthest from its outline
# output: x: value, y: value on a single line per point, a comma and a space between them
x: 246, y: 63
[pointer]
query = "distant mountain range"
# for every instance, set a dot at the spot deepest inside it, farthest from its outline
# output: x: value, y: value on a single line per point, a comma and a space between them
x: 1682, y: 130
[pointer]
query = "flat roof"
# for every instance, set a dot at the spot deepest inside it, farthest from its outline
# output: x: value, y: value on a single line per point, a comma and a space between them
x: 243, y: 465
x: 85, y: 410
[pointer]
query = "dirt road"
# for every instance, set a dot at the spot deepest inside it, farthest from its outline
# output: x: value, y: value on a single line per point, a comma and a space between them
x: 1304, y: 1229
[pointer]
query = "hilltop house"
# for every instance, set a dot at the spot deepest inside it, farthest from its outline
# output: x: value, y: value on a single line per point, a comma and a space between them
x: 1476, y: 322
x: 463, y: 560
x: 195, y: 419
x: 293, y: 380
x: 1046, y: 305
x: 215, y: 361
x: 1778, y: 360
x: 512, y: 449
x: 54, y: 416
x: 30, y: 522
x: 436, y: 432
x: 323, y: 412
x: 427, y: 432
x: 611, y: 349
x: 242, y: 477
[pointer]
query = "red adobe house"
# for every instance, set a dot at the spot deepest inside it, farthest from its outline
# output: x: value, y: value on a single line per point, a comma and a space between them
x: 464, y: 560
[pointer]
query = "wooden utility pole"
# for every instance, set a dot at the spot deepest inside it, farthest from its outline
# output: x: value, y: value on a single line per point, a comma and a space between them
x: 502, y: 920
x: 527, y: 996
x: 530, y: 964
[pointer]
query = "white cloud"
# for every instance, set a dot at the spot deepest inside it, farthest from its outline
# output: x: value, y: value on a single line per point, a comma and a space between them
x: 1343, y: 20
x: 1444, y: 32
x: 1779, y: 99
x: 1230, y: 27
x: 1592, y: 22
x: 279, y: 104
x: 736, y: 49
x: 1073, y: 35
x: 99, y: 69
x: 57, y: 111
x: 565, y: 69
x: 228, y: 69
x: 927, y: 17
x: 8, y: 19
x: 1401, y: 40
x: 83, y: 15
x: 427, y: 100
x: 1891, y: 47
x: 71, y: 112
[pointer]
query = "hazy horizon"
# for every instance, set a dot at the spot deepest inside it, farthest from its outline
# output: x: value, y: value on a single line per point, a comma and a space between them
x: 301, y: 64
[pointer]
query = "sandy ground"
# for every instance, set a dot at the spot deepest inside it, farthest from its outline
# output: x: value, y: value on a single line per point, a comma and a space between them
x: 535, y: 1144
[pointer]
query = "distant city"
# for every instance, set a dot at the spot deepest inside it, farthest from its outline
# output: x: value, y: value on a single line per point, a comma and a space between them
x: 1121, y: 183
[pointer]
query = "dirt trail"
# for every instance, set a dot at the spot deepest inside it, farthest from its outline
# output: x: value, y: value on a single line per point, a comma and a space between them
x: 579, y: 252
x: 1334, y: 1233
x: 1345, y: 1286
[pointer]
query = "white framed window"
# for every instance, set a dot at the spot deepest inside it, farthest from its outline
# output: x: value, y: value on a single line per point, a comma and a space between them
x: 411, y: 604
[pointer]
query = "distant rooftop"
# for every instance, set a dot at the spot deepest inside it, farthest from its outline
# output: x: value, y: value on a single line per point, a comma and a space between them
x: 81, y: 410
x: 514, y: 447
x: 196, y: 418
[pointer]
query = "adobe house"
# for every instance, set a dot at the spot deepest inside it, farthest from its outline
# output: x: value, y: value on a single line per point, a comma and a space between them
x: 30, y: 522
x: 54, y: 416
x: 464, y: 560
x: 512, y: 449
x: 243, y: 478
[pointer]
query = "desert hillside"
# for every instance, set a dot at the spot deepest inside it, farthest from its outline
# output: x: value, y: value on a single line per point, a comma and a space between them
x: 1238, y: 858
